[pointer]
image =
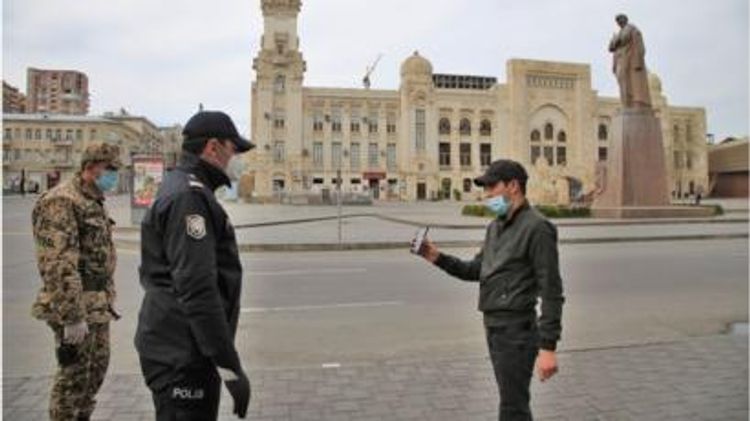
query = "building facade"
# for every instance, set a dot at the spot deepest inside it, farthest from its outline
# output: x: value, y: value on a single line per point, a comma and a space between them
x: 44, y: 149
x: 13, y: 100
x: 57, y: 92
x: 728, y: 168
x: 430, y: 137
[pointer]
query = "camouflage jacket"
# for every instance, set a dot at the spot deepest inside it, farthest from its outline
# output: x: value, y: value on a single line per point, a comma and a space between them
x: 75, y: 255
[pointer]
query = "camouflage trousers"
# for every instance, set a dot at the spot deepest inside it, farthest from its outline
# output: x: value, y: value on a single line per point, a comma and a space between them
x: 76, y: 383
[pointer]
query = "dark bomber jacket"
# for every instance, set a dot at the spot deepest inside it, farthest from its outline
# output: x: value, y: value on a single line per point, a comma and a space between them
x: 517, y: 265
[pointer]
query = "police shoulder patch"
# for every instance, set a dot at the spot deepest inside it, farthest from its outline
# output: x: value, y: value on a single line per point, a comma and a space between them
x: 196, y: 226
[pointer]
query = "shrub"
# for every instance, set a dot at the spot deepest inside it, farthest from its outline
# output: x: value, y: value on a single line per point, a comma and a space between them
x: 546, y: 210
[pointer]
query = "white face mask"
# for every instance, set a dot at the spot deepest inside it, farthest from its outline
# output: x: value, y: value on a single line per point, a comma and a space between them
x: 235, y: 168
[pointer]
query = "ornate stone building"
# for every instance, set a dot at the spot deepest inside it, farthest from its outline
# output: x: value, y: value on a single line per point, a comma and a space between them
x: 430, y: 137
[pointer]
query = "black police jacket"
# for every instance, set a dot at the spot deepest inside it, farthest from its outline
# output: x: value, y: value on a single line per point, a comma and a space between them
x: 190, y: 270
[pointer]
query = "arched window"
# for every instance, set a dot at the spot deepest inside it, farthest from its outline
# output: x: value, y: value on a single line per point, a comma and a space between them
x: 535, y: 135
x: 444, y: 126
x: 465, y: 127
x: 549, y: 131
x: 279, y: 84
x: 485, y: 128
x: 603, y: 132
x: 561, y: 136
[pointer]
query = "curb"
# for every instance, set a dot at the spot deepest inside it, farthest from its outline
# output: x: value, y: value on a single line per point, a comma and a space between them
x: 559, y: 223
x: 404, y: 245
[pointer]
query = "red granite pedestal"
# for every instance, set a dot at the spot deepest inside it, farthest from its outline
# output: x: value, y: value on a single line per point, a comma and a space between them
x: 636, y: 175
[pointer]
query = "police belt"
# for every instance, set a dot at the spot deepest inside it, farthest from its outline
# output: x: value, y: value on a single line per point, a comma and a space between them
x: 94, y: 283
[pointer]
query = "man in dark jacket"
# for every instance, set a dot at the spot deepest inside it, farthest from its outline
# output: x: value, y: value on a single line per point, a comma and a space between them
x: 517, y: 265
x: 192, y: 276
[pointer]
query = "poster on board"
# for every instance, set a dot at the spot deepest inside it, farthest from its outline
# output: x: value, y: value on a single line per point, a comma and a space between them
x: 147, y: 176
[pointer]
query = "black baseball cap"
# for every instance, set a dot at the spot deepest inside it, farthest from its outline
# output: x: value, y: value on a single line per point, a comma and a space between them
x: 503, y: 170
x: 214, y: 124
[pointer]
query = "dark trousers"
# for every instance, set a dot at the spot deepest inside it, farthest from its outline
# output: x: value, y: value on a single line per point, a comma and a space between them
x: 513, y: 350
x: 191, y: 393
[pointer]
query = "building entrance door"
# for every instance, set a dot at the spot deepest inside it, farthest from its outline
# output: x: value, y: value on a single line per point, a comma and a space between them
x: 375, y: 188
x: 421, y: 191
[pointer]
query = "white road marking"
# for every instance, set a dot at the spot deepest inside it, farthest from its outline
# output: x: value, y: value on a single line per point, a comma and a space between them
x: 321, y: 307
x: 308, y: 272
x: 331, y: 365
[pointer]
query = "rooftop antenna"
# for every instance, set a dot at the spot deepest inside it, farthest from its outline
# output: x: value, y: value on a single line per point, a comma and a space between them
x: 368, y: 72
x: 200, y: 107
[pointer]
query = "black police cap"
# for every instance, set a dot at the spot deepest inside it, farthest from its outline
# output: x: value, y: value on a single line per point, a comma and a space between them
x: 214, y: 124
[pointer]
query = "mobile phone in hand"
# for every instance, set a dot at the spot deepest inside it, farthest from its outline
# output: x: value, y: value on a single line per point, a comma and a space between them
x: 419, y: 238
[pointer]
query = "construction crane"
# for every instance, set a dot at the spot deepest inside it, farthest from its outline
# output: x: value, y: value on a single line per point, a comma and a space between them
x: 368, y: 72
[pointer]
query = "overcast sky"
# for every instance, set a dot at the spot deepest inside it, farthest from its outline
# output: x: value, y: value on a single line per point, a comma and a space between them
x: 161, y: 58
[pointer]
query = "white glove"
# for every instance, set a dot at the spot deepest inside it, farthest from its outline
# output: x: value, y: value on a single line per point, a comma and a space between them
x: 75, y: 333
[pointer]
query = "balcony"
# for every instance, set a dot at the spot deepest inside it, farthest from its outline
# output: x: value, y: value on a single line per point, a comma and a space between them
x: 62, y: 142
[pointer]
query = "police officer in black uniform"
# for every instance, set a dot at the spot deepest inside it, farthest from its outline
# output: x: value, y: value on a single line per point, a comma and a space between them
x: 192, y: 276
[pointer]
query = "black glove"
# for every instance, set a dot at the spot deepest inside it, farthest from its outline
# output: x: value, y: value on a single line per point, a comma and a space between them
x: 240, y: 390
x: 67, y: 354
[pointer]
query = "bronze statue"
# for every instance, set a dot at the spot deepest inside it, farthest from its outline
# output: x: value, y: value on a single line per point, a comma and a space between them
x: 629, y: 64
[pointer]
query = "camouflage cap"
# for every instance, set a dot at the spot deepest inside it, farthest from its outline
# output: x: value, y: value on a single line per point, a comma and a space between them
x: 102, y: 152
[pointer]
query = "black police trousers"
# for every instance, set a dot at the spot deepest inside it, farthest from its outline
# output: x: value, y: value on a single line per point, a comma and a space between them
x: 191, y: 393
x: 513, y: 350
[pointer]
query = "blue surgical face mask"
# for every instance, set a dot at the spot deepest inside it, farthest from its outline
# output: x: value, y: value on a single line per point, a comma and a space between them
x: 107, y: 181
x: 498, y: 204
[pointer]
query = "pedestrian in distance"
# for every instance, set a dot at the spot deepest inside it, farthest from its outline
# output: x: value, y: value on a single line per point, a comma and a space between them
x: 192, y: 277
x: 517, y: 265
x: 76, y: 260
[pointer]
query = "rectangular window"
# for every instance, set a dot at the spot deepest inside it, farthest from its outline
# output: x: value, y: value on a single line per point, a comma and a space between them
x: 354, y: 156
x: 317, y: 122
x: 372, y: 122
x: 278, y: 119
x: 465, y: 154
x: 445, y: 154
x: 8, y: 135
x: 69, y: 134
x: 92, y: 136
x: 562, y: 158
x: 677, y: 160
x: 391, y: 157
x: 79, y: 134
x: 372, y: 155
x: 336, y: 120
x: 354, y: 122
x: 688, y: 161
x: 278, y: 152
x: 485, y: 154
x: 535, y: 153
x: 602, y: 154
x: 391, y: 124
x: 420, y: 133
x: 549, y: 155
x: 29, y: 134
x: 336, y: 155
x: 38, y: 134
x: 318, y: 154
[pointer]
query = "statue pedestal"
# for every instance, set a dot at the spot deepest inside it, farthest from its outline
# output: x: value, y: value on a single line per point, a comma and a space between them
x: 636, y: 174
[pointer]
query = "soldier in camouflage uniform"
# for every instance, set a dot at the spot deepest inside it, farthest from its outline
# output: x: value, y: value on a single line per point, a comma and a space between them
x: 76, y: 260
